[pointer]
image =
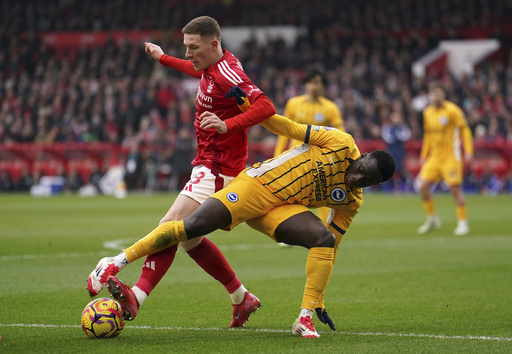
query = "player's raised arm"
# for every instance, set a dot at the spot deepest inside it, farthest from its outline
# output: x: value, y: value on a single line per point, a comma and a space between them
x: 280, y: 125
x: 182, y: 65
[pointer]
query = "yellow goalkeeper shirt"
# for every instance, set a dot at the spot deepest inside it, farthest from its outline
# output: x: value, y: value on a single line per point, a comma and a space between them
x: 444, y: 127
x: 302, y: 110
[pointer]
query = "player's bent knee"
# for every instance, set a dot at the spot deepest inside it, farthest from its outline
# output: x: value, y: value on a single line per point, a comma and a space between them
x: 189, y: 244
x: 325, y: 239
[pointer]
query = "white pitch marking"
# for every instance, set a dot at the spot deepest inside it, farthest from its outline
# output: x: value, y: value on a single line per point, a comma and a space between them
x: 369, y: 334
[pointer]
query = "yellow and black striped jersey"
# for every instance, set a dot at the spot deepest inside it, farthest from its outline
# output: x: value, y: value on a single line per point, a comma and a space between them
x: 444, y: 127
x: 302, y: 110
x: 312, y: 174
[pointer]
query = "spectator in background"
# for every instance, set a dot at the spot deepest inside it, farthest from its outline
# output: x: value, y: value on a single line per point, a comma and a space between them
x: 73, y: 181
x: 183, y: 150
x: 95, y: 176
x: 25, y: 181
x: 489, y: 183
x: 395, y: 133
x: 507, y: 183
x: 133, y: 167
x: 6, y: 184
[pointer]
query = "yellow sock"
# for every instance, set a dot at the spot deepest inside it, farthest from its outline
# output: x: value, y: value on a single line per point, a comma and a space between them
x: 461, y: 212
x: 165, y: 235
x: 429, y: 207
x: 318, y: 272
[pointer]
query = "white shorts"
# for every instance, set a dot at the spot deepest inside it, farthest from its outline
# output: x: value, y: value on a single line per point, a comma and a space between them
x: 203, y: 183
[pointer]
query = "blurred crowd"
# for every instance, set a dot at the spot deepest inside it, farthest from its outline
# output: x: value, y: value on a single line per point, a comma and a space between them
x: 116, y: 93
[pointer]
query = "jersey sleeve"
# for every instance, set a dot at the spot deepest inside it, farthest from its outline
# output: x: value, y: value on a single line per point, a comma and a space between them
x: 337, y: 120
x: 425, y: 146
x: 283, y: 142
x: 465, y: 131
x: 260, y: 110
x: 308, y: 134
x: 182, y: 65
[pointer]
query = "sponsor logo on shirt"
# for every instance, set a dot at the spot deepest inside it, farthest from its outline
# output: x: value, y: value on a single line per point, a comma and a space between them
x: 320, y: 182
x: 203, y: 100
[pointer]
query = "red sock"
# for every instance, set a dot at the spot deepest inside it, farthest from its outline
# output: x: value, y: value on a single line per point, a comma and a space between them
x: 154, y: 268
x: 211, y: 259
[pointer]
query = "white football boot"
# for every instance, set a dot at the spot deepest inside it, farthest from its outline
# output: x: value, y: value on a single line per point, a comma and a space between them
x: 305, y: 328
x: 98, y: 277
x: 433, y: 222
x: 462, y: 228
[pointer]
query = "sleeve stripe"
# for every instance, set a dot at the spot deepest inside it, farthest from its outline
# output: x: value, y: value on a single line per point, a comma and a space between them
x: 229, y: 73
x: 337, y: 228
x: 308, y: 132
x: 229, y: 69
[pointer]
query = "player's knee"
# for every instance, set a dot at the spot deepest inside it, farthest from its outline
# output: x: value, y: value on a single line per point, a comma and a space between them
x: 323, y: 238
x: 194, y: 223
x: 189, y: 244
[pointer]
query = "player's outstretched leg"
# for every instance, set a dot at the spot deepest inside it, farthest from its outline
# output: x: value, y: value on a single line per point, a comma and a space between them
x: 124, y: 294
x: 243, y: 310
x: 97, y: 279
x: 305, y: 327
x: 210, y: 258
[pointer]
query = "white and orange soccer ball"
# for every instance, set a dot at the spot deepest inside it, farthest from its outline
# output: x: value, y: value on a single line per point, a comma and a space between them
x: 102, y: 318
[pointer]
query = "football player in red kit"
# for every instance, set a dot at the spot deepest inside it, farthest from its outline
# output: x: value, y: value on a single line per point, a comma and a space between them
x: 221, y: 154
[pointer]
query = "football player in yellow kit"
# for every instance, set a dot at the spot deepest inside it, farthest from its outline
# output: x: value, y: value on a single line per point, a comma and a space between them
x: 444, y: 126
x: 274, y: 197
x: 311, y: 108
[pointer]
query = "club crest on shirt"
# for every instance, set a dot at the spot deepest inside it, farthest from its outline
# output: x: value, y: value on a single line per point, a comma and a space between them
x: 210, y: 86
x: 319, y: 117
x: 232, y: 197
x: 443, y: 120
x: 338, y: 194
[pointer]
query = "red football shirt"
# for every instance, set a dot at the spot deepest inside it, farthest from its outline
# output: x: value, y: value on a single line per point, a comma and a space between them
x: 221, y: 153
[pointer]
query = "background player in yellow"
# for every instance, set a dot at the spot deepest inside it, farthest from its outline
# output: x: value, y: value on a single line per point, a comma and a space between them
x: 444, y: 126
x: 274, y: 197
x: 311, y: 108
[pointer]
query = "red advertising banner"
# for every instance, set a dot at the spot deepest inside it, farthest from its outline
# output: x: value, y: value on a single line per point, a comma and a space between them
x: 94, y: 39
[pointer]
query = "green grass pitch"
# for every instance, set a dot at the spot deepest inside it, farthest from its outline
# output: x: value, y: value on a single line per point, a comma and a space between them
x: 391, y: 290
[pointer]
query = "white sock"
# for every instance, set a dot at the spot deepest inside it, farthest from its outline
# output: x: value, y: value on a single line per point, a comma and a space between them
x: 238, y: 295
x: 306, y: 313
x: 139, y: 294
x: 120, y: 260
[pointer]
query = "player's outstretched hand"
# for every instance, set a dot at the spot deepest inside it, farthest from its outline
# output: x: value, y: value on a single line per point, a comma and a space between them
x: 153, y: 50
x: 324, y: 317
x: 241, y: 98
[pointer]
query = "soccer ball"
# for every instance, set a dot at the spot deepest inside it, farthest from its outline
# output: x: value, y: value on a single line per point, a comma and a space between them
x: 102, y: 318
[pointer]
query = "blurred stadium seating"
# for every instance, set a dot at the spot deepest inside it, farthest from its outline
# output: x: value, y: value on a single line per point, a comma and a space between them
x: 76, y: 86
